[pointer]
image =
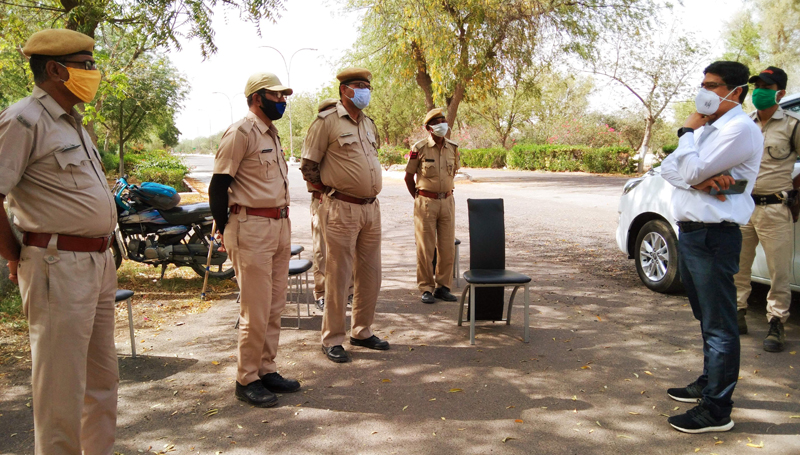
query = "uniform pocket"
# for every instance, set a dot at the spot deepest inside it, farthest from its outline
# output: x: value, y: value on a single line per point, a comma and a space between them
x: 349, y: 145
x: 451, y: 165
x: 430, y: 169
x: 269, y: 164
x: 75, y: 168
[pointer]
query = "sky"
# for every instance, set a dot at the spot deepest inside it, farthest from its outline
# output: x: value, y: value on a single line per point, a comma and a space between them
x: 217, y: 84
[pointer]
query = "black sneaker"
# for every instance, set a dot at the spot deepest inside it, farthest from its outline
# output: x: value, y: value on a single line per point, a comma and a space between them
x: 741, y: 321
x: 700, y: 420
x: 320, y: 303
x: 689, y: 394
x: 276, y: 383
x: 427, y: 297
x: 776, y: 338
x: 256, y: 394
x: 443, y: 293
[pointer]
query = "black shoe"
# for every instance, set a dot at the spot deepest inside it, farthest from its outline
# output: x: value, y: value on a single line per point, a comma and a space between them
x: 700, y: 420
x: 276, y: 383
x: 427, y: 297
x: 689, y: 394
x: 336, y: 354
x: 255, y: 394
x: 776, y: 337
x: 320, y: 303
x: 372, y: 342
x: 443, y: 293
x: 741, y: 321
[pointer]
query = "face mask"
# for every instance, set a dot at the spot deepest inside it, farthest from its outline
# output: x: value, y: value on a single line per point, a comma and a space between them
x: 82, y: 83
x: 764, y: 98
x: 272, y: 109
x: 439, y: 129
x: 360, y: 97
x: 707, y: 102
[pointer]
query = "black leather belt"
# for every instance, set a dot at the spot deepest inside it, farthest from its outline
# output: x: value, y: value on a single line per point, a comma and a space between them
x: 766, y: 199
x: 691, y: 226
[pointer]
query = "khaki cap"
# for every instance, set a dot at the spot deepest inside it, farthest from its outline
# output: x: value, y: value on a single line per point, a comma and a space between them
x: 327, y: 104
x: 267, y: 81
x: 432, y: 114
x: 57, y: 41
x: 354, y: 74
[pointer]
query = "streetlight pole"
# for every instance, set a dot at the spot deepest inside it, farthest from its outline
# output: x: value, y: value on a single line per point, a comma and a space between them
x: 288, y: 69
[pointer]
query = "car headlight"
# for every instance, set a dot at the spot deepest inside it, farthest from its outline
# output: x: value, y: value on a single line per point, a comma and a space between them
x: 631, y: 184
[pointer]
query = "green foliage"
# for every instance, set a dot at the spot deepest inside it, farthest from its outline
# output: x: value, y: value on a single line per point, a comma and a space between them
x: 389, y: 156
x: 110, y: 163
x: 669, y: 148
x: 11, y: 309
x: 484, y: 158
x: 556, y: 158
x: 157, y: 166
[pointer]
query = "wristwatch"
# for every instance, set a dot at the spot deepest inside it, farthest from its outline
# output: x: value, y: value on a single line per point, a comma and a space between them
x: 684, y: 130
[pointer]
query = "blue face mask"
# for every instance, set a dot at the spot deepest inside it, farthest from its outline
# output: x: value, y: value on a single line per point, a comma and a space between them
x: 360, y: 97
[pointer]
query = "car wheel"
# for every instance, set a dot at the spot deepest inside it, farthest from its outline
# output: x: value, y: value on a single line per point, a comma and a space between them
x: 656, y: 254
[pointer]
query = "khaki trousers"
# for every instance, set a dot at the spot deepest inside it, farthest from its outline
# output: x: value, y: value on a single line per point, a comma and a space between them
x: 259, y: 249
x: 318, y: 240
x: 772, y: 226
x: 435, y: 229
x: 353, y: 240
x: 68, y: 299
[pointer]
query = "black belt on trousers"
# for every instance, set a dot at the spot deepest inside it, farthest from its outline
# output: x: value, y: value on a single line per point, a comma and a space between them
x: 690, y: 226
x: 766, y: 199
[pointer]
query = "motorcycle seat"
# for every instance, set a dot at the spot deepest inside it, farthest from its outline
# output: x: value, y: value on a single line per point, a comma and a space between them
x: 186, y: 214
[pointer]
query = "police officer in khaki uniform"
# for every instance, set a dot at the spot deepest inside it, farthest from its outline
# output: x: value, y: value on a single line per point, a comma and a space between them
x: 53, y: 177
x: 435, y: 162
x: 316, y: 233
x: 340, y: 159
x: 251, y: 178
x: 771, y: 223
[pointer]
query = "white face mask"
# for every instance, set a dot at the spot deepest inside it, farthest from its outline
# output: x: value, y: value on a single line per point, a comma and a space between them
x: 439, y: 129
x: 707, y: 102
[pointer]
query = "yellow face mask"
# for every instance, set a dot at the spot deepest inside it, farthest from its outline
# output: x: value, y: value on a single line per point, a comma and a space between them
x: 82, y: 83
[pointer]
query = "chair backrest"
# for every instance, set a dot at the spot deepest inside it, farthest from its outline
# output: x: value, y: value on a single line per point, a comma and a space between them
x: 487, y: 235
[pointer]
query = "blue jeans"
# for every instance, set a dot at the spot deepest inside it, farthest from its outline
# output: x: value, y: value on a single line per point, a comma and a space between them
x: 708, y: 260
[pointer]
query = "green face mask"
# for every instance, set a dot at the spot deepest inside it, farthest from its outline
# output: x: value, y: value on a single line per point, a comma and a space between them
x: 764, y: 98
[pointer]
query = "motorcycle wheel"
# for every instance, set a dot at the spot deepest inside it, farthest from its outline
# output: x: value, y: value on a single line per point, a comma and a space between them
x: 117, y: 255
x: 223, y: 271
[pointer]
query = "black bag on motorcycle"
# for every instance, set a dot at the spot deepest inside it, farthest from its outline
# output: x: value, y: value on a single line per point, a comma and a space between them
x: 156, y: 195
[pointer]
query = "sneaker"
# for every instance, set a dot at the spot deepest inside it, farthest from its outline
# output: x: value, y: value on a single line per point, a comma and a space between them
x: 427, y: 297
x: 700, y: 420
x: 443, y: 293
x: 276, y: 383
x: 741, y: 321
x: 320, y: 303
x: 689, y: 394
x: 776, y: 337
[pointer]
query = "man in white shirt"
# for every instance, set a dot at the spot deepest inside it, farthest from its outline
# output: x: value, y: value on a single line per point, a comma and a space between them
x: 718, y: 146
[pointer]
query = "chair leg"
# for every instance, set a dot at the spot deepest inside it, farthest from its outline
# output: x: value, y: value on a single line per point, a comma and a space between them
x: 296, y: 296
x: 305, y: 297
x: 527, y: 335
x: 130, y: 325
x: 472, y: 314
x: 461, y: 308
x: 510, y: 304
x: 456, y: 269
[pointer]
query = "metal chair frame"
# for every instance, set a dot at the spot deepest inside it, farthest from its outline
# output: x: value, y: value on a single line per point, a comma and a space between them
x: 470, y: 289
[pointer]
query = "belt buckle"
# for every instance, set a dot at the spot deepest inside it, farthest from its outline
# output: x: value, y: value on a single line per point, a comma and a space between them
x: 284, y: 212
x: 442, y: 195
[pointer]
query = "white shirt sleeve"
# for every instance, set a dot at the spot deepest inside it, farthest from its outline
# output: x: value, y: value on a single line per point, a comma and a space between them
x: 731, y: 148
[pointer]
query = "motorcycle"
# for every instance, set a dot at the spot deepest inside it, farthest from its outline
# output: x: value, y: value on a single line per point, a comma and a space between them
x: 151, y: 232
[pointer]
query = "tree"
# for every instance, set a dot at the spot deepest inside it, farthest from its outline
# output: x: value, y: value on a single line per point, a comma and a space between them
x: 655, y: 68
x: 560, y: 100
x: 457, y: 49
x: 743, y: 40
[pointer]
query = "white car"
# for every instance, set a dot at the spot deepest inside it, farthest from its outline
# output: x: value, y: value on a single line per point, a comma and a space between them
x: 648, y: 234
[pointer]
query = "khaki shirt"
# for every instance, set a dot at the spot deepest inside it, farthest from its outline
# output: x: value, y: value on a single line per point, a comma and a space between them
x: 435, y: 168
x: 347, y: 152
x: 51, y: 171
x: 251, y: 153
x: 777, y: 162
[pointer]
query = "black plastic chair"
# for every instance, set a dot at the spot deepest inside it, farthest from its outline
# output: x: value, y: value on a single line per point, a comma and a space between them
x: 487, y: 276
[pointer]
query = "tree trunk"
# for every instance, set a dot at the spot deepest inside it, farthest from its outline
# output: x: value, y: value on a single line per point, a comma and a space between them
x: 452, y: 105
x: 645, y: 147
x: 121, y: 144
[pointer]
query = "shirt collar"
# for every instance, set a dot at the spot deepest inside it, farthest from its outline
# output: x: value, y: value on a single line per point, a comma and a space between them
x: 432, y: 143
x: 262, y: 127
x: 51, y: 106
x: 341, y: 111
x: 778, y: 115
x: 728, y: 116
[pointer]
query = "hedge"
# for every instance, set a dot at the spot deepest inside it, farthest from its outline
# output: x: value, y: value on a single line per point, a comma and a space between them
x: 161, y: 167
x: 558, y: 158
x: 389, y: 155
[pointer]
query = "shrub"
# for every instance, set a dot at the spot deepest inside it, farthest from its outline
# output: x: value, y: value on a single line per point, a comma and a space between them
x: 389, y: 155
x: 160, y: 167
x: 492, y: 158
x: 560, y: 158
x: 669, y: 148
x: 110, y: 163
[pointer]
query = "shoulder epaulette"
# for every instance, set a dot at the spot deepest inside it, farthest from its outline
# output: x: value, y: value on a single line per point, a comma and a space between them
x: 245, y: 126
x: 419, y: 144
x: 792, y: 114
x: 451, y: 142
x: 326, y: 113
x: 29, y: 111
